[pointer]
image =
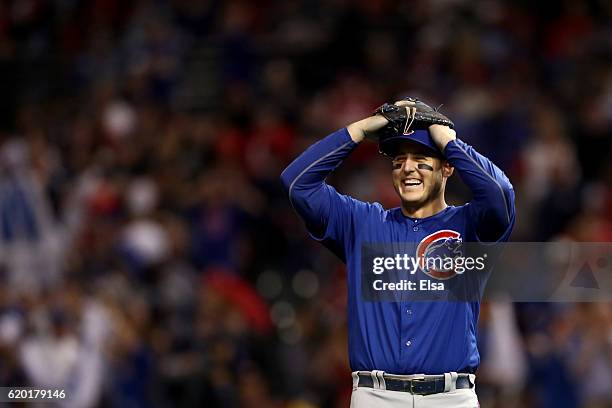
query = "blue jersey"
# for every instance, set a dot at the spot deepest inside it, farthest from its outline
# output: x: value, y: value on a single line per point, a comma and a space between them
x: 401, y: 337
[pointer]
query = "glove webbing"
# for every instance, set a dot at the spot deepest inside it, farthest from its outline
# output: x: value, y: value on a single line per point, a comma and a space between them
x: 410, y: 113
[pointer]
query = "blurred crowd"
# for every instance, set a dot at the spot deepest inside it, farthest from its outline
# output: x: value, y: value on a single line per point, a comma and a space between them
x: 148, y: 254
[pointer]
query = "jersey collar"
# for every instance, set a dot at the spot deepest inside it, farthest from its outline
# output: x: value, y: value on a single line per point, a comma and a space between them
x: 399, y: 215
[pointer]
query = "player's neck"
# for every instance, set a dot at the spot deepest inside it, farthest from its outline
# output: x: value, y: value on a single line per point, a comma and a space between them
x: 424, y: 210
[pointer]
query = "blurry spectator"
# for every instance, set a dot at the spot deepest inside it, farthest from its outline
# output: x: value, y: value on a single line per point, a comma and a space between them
x: 503, y: 368
x: 32, y: 241
x: 552, y: 185
x: 65, y: 348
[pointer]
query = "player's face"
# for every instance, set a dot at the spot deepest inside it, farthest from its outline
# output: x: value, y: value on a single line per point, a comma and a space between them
x: 418, y: 175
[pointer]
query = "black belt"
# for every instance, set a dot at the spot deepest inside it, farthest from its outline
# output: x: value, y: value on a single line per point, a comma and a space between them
x: 431, y: 384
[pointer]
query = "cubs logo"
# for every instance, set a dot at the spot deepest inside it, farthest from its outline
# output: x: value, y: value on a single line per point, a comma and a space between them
x: 437, y: 250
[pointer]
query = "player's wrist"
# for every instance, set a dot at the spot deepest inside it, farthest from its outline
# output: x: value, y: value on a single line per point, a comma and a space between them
x: 442, y: 135
x: 356, y: 131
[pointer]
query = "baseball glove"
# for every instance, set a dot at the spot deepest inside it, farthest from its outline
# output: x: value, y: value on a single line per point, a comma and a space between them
x: 417, y: 115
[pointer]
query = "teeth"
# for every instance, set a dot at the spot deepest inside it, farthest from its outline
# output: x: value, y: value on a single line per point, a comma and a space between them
x: 412, y: 182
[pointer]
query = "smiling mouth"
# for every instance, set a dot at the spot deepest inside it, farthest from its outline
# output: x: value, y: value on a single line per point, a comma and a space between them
x: 412, y: 182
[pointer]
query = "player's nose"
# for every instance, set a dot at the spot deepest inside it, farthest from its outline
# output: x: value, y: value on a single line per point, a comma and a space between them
x: 409, y: 165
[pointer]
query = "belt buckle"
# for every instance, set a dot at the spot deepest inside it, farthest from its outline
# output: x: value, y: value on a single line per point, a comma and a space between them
x: 416, y: 381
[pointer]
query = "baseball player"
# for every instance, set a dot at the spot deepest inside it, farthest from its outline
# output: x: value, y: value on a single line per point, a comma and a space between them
x: 405, y: 353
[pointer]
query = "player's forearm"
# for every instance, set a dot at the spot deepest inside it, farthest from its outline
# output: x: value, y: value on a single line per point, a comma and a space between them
x: 356, y: 131
x: 365, y: 128
x: 308, y: 172
x: 492, y: 191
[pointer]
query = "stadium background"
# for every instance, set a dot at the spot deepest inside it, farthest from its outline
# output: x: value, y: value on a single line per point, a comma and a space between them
x: 149, y: 256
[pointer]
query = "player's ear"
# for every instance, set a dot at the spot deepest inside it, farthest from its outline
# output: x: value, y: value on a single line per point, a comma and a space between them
x: 447, y: 169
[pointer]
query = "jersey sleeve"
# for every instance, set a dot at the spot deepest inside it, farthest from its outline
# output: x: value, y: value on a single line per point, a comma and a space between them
x: 329, y: 216
x: 492, y: 209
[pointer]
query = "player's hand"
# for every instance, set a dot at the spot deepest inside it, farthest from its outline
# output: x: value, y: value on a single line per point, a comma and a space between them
x: 441, y: 135
x: 366, y: 128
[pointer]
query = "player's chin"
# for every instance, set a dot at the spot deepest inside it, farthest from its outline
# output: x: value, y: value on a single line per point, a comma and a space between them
x: 412, y: 196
